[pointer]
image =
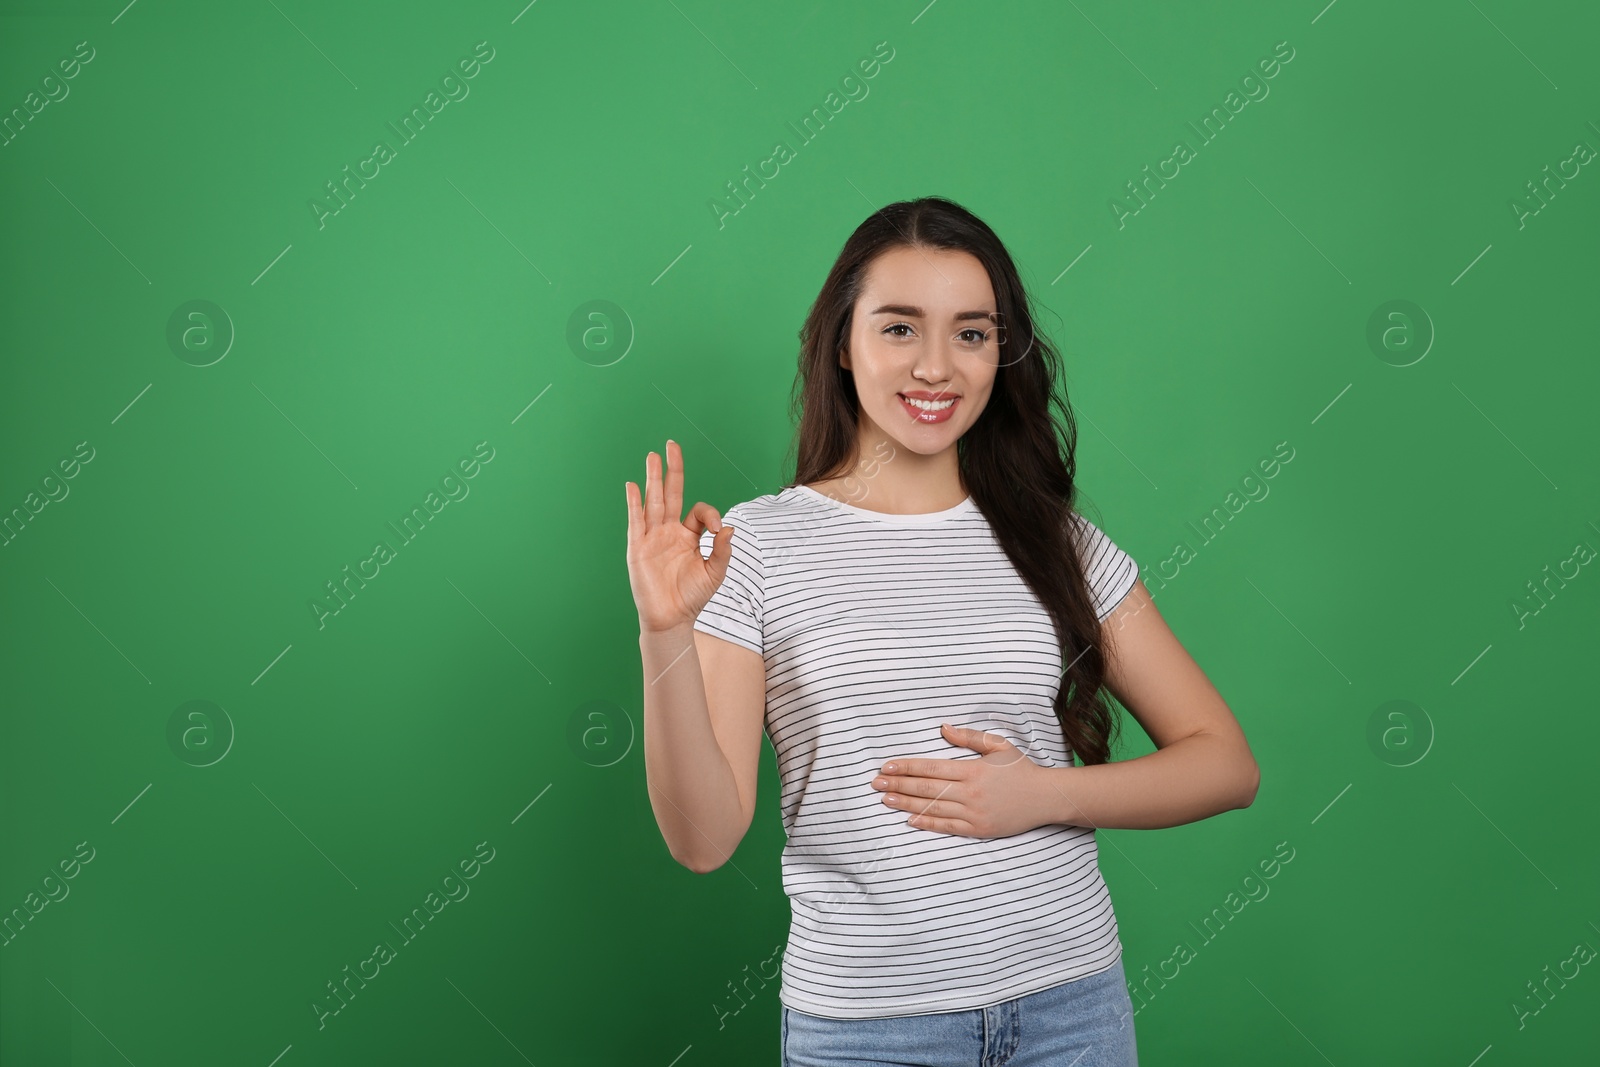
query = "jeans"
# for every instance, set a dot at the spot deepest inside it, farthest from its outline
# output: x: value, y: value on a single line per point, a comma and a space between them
x: 1087, y: 1022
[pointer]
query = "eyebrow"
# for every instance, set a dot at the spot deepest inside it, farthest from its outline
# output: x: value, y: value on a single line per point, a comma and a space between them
x: 914, y: 312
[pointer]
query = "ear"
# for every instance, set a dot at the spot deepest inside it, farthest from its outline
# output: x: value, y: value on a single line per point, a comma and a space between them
x: 844, y: 358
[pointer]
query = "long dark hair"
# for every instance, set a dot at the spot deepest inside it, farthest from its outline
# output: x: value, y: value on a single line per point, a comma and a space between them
x: 1017, y: 460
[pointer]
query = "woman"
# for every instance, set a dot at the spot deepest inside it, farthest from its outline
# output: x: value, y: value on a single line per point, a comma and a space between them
x: 926, y: 629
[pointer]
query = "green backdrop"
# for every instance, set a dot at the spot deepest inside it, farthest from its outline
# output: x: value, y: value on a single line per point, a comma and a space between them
x: 245, y: 346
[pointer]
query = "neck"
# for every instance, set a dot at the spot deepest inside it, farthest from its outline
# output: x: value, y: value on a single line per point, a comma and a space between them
x: 888, y: 477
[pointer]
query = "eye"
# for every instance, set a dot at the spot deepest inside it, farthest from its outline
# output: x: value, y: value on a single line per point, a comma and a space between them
x: 977, y: 337
x: 896, y: 326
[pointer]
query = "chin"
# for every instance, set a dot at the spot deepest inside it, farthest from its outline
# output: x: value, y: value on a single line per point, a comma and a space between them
x: 924, y: 448
x: 905, y: 436
x: 926, y: 444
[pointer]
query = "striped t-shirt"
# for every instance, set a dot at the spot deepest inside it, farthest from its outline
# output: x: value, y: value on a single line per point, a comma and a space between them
x: 874, y: 629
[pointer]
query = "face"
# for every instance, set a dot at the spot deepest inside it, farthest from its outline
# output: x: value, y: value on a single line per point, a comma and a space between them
x: 924, y: 347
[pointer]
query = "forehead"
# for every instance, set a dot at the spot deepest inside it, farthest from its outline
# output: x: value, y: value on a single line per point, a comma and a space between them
x: 939, y: 280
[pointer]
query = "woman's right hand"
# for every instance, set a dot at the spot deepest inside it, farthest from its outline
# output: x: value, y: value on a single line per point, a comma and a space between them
x: 671, y: 580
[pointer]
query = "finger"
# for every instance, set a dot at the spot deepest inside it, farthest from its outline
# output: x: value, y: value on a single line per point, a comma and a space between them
x: 703, y: 517
x: 635, y: 512
x: 674, y: 457
x: 983, y: 743
x: 925, y: 788
x: 959, y: 827
x: 1009, y: 755
x: 990, y: 744
x: 925, y: 768
x: 947, y: 809
x: 974, y: 739
x: 721, y: 553
x: 653, y: 508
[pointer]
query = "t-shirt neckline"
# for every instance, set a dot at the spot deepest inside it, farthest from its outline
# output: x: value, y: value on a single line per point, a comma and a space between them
x: 966, y: 506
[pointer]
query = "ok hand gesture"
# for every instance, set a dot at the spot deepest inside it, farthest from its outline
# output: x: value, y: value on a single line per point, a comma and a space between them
x: 671, y: 581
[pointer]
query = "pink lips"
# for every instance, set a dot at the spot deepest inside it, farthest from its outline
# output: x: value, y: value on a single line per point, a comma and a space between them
x: 920, y: 415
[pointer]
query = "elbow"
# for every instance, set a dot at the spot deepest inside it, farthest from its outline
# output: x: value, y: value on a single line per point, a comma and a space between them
x: 693, y: 862
x: 700, y: 863
x: 1252, y: 783
x: 697, y: 865
x: 707, y: 854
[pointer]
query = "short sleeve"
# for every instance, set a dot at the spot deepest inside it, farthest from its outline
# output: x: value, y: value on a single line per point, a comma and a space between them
x: 1110, y: 571
x: 734, y: 611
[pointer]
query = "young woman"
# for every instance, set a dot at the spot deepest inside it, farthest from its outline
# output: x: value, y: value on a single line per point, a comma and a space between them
x: 926, y: 629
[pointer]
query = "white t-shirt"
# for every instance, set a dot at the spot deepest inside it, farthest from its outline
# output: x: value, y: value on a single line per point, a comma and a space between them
x: 874, y: 629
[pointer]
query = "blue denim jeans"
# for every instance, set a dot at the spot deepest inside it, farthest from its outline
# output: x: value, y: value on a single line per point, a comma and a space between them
x: 1087, y: 1022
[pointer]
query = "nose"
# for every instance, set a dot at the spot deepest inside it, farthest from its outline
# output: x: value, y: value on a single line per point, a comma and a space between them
x: 934, y: 360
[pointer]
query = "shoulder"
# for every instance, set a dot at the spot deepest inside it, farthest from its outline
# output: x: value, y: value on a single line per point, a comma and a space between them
x: 1083, y: 529
x: 1110, y: 571
x: 773, y: 513
x: 1096, y: 546
x: 767, y: 517
x: 771, y: 530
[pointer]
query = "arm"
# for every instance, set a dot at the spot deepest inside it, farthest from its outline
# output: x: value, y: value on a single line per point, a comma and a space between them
x: 703, y: 699
x: 1202, y: 765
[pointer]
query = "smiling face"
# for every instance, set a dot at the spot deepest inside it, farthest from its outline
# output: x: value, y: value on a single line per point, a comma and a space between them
x: 924, y: 348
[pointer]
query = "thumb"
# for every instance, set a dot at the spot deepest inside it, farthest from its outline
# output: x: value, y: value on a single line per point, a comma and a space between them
x: 977, y: 740
x: 721, y: 553
x: 958, y: 735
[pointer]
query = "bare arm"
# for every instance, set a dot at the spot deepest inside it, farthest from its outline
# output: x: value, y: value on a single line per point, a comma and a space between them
x: 1202, y: 765
x: 703, y: 698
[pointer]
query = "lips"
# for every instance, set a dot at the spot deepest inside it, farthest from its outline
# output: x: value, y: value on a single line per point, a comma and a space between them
x: 923, y: 415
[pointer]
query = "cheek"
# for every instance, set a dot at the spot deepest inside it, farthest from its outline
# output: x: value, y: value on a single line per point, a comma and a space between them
x: 876, y: 377
x: 977, y: 406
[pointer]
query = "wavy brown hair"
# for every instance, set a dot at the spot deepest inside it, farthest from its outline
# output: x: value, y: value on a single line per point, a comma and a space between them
x: 1017, y: 460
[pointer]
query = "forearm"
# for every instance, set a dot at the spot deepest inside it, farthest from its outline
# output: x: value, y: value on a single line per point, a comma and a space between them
x: 1189, y: 780
x: 692, y: 789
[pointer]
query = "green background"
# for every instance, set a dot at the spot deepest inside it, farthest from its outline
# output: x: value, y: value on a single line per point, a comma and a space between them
x: 485, y: 686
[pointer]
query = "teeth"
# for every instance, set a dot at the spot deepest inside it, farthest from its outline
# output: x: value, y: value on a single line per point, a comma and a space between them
x: 929, y: 405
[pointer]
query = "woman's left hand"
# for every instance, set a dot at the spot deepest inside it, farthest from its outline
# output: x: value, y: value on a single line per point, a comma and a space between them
x: 996, y: 795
